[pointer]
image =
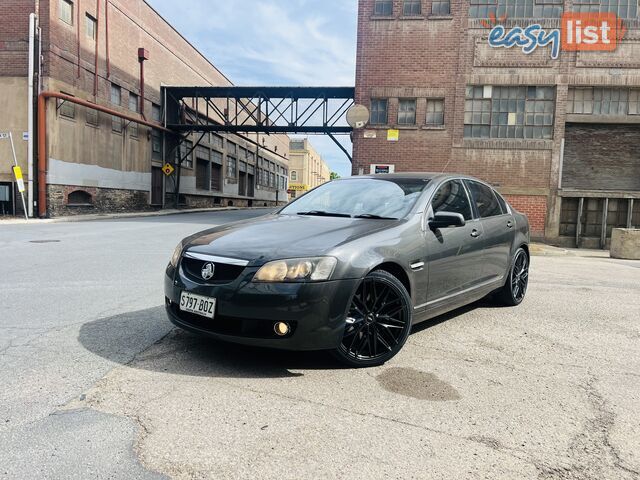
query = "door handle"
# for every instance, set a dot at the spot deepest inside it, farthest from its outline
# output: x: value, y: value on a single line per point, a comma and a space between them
x: 475, y: 233
x: 510, y: 224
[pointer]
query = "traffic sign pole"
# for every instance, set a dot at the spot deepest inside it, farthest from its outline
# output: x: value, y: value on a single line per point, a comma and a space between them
x: 18, y: 174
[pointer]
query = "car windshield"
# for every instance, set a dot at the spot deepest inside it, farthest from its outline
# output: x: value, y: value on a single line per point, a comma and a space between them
x: 371, y: 198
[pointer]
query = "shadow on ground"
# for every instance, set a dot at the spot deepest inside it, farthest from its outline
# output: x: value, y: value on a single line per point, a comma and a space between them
x: 146, y: 340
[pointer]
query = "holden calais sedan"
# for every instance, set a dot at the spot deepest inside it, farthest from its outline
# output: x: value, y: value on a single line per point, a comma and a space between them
x: 351, y: 266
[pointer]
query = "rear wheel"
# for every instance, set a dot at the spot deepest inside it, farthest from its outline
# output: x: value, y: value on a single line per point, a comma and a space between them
x: 378, y: 322
x: 515, y: 288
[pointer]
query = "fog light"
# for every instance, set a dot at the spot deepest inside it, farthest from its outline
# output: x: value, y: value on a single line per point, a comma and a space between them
x: 281, y: 328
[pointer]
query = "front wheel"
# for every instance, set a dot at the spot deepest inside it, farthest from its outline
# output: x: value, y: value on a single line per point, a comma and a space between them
x: 515, y: 288
x: 378, y: 322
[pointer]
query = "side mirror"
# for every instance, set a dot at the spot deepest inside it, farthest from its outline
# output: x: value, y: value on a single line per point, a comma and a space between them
x: 446, y: 220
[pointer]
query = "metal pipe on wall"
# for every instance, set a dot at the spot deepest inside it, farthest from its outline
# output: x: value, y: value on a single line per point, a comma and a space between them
x: 78, y: 33
x: 42, y: 137
x: 106, y: 37
x: 30, y: 108
x: 95, y: 72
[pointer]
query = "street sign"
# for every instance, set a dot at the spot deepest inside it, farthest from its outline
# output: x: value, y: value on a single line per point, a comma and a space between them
x: 393, y: 135
x: 168, y: 169
x: 17, y: 172
x: 4, y: 135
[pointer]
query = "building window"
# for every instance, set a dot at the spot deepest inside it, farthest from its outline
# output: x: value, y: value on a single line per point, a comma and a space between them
x: 435, y: 112
x: 185, y: 153
x: 66, y: 108
x: 383, y: 8
x: 407, y: 111
x: 91, y: 26
x: 156, y: 135
x: 232, y: 167
x: 231, y: 148
x: 134, y: 106
x: 580, y: 100
x: 622, y: 8
x: 92, y: 117
x: 634, y: 102
x: 203, y: 180
x: 79, y: 198
x: 116, y: 99
x: 441, y: 7
x: 294, y: 176
x: 66, y: 11
x: 412, y: 7
x: 516, y: 8
x: 603, y: 101
x: 156, y: 113
x: 216, y: 141
x: 379, y: 109
x: 509, y: 112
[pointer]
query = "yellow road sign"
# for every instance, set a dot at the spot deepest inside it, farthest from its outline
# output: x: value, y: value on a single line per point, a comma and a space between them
x: 17, y: 172
x: 168, y: 169
x: 298, y: 187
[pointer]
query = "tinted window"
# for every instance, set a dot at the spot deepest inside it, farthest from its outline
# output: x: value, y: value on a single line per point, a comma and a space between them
x: 392, y: 197
x: 485, y: 200
x: 503, y: 203
x: 451, y: 197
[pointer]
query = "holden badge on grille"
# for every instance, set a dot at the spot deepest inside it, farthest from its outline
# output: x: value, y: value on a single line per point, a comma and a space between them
x: 208, y: 270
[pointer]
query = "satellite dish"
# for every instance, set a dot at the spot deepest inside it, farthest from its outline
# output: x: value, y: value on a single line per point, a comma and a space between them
x: 358, y: 116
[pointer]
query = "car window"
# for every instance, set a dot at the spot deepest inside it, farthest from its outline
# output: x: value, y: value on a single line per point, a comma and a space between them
x: 503, y: 203
x: 383, y: 197
x: 485, y: 200
x: 452, y: 197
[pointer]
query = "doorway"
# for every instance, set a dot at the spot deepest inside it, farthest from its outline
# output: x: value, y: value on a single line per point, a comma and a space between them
x: 6, y: 199
x: 157, y: 181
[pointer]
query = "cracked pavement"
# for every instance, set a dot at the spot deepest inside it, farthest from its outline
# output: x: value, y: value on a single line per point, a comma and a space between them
x: 95, y: 383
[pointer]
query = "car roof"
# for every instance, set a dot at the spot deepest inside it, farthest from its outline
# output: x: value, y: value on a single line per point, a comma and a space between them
x: 432, y: 176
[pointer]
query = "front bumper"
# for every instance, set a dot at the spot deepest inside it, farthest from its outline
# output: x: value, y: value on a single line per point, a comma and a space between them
x: 246, y: 312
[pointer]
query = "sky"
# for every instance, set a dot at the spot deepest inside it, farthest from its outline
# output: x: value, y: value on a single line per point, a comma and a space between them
x: 275, y: 42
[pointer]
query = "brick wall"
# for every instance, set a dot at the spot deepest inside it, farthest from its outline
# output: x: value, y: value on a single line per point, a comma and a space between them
x: 14, y: 37
x: 602, y: 157
x: 535, y: 207
x: 435, y: 57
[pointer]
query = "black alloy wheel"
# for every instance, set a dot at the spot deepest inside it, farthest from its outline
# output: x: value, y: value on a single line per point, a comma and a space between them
x: 515, y: 288
x: 378, y: 321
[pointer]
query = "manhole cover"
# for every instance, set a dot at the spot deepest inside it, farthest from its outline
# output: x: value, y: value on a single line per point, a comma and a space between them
x: 44, y: 241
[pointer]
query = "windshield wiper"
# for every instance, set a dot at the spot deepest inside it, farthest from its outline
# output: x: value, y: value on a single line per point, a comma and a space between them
x: 322, y: 213
x: 374, y: 216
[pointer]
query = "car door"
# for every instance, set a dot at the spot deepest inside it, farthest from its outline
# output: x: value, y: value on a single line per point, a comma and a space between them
x: 454, y: 254
x: 498, y: 230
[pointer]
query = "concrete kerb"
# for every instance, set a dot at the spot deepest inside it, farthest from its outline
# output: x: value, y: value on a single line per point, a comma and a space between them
x: 115, y: 216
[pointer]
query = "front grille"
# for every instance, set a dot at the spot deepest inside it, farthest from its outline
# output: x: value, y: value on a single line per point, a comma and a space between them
x: 224, y: 272
x: 223, y: 325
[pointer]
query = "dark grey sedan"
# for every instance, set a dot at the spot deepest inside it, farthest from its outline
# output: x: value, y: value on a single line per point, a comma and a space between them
x: 352, y: 265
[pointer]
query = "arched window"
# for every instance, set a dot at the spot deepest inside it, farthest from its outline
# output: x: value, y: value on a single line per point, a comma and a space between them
x: 79, y: 197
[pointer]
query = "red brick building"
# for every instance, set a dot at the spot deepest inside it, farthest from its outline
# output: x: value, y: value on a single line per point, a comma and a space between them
x: 560, y: 138
x: 96, y: 162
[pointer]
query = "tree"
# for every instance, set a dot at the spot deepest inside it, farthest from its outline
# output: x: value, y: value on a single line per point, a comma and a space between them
x: 334, y: 176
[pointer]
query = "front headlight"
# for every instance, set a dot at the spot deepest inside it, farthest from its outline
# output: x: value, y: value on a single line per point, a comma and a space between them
x: 175, y: 258
x: 297, y: 270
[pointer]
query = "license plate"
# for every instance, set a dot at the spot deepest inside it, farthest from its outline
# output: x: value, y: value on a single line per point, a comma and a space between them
x: 204, y: 306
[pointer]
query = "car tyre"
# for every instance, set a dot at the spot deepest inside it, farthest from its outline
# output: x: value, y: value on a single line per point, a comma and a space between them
x: 378, y: 321
x: 515, y: 287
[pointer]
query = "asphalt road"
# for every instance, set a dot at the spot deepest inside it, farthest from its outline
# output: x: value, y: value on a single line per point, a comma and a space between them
x: 95, y: 383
